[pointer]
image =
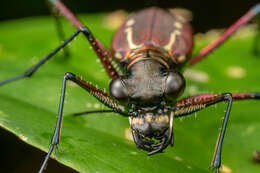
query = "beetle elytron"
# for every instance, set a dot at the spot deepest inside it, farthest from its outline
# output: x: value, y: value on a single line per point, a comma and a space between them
x: 152, y: 46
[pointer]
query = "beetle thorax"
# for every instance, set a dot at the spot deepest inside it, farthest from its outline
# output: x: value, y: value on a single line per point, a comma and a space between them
x: 145, y: 84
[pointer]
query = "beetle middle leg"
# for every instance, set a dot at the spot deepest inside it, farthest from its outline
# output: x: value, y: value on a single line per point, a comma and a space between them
x: 99, y: 94
x: 192, y: 104
x: 226, y: 34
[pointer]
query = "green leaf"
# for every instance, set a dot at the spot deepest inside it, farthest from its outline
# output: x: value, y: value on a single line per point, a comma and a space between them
x: 101, y: 143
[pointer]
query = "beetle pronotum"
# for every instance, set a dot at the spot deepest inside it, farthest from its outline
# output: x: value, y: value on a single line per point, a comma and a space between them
x: 152, y: 46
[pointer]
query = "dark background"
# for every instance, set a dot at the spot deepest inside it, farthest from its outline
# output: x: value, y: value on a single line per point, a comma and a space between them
x: 17, y: 156
x: 207, y: 13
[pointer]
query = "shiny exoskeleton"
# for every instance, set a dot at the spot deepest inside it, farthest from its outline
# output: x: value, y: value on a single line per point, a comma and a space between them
x: 152, y: 47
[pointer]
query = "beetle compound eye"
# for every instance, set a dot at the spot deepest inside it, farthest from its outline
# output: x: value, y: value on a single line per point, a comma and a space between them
x: 163, y: 70
x: 175, y: 84
x: 117, y: 89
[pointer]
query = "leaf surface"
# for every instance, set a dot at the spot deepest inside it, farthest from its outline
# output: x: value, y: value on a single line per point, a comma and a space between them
x: 100, y: 142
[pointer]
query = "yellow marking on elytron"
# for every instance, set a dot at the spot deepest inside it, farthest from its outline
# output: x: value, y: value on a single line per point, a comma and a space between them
x: 181, y: 18
x: 130, y: 22
x: 172, y: 40
x: 176, y: 32
x: 129, y: 36
x: 118, y: 55
x: 181, y: 59
x: 177, y: 25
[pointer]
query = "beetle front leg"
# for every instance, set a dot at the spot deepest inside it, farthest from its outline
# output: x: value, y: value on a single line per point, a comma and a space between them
x: 216, y: 162
x: 192, y: 104
x: 99, y: 94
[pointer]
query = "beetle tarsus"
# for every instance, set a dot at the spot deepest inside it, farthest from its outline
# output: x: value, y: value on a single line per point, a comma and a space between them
x: 257, y: 95
x: 11, y: 79
x: 44, y: 165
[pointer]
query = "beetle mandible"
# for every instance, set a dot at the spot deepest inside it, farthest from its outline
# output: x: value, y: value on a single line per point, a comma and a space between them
x: 152, y: 46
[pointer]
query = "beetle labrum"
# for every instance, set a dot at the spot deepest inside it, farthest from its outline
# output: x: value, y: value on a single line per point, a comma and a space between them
x: 152, y: 46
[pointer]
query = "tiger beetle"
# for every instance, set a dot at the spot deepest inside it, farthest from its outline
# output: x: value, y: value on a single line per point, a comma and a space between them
x: 152, y: 47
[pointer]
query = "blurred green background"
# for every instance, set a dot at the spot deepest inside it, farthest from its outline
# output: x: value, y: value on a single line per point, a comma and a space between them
x: 207, y: 15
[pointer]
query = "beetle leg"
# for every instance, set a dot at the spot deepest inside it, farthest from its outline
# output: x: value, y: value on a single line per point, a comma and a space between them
x: 216, y: 162
x: 226, y: 34
x: 192, y: 104
x: 34, y: 68
x: 104, y: 54
x: 100, y: 95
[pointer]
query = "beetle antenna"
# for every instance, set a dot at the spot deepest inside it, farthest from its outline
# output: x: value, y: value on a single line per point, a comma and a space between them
x: 91, y: 112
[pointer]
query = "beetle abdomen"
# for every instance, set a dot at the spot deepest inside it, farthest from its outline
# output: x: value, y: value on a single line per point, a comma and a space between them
x: 157, y: 28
